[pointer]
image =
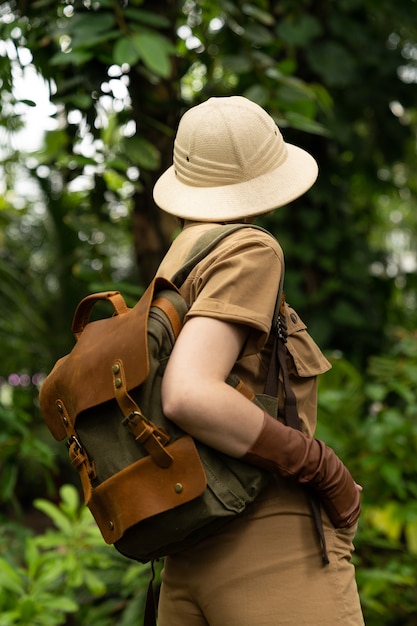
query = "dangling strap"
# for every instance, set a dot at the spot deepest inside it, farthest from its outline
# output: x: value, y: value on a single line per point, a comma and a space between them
x: 279, y: 363
x: 149, y: 617
x: 293, y: 419
x: 204, y: 245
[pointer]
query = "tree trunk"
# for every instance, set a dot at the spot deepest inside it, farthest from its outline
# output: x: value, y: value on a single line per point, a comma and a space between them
x: 156, y: 106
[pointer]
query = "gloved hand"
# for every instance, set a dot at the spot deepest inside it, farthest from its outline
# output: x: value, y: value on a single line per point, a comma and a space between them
x: 292, y: 454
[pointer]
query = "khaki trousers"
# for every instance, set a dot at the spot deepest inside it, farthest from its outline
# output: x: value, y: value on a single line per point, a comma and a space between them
x: 264, y: 569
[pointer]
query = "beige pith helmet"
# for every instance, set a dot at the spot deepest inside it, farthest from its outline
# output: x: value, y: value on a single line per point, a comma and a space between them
x: 231, y: 162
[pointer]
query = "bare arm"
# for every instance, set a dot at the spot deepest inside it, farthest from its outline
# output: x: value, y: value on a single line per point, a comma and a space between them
x: 195, y: 395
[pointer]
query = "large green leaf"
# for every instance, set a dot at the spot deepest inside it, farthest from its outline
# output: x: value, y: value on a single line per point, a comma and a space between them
x: 155, y: 20
x: 72, y: 57
x: 141, y: 152
x: 85, y: 25
x: 125, y: 51
x: 299, y: 32
x: 258, y: 35
x: 258, y: 13
x: 155, y: 51
x: 333, y: 62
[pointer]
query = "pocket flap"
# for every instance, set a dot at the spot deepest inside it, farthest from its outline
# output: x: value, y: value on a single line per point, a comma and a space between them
x: 144, y: 489
x: 307, y: 356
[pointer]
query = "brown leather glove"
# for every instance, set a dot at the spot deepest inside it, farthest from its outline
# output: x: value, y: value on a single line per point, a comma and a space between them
x: 292, y: 454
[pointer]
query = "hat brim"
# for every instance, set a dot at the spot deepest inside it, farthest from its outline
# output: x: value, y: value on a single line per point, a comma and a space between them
x: 249, y: 198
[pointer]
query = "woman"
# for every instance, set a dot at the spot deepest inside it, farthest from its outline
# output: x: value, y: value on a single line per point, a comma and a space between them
x: 263, y: 569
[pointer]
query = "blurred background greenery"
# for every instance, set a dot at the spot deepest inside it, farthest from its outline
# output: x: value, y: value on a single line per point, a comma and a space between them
x: 90, y: 94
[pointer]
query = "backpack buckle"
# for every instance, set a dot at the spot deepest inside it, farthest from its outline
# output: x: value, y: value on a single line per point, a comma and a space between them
x: 152, y: 437
x: 73, y: 443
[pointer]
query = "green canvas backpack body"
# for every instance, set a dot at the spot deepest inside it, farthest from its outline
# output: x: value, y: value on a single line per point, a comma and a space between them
x: 151, y: 488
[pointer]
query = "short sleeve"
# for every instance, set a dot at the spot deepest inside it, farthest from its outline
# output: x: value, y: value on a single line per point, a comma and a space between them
x: 238, y: 283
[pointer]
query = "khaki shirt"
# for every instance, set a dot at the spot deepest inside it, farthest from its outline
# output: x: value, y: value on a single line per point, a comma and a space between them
x: 238, y: 283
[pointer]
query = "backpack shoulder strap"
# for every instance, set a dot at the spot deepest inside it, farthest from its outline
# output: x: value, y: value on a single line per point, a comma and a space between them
x: 205, y: 244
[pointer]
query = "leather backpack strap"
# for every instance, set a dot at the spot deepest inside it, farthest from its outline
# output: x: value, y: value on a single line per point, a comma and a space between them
x: 278, y: 364
x: 205, y: 244
x: 150, y: 610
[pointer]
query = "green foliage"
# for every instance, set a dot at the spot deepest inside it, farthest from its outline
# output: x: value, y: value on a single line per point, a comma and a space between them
x: 372, y: 423
x: 66, y: 570
x: 151, y: 48
x: 27, y: 460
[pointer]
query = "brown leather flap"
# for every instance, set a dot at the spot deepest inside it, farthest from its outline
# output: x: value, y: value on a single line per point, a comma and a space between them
x: 83, y: 378
x: 144, y: 489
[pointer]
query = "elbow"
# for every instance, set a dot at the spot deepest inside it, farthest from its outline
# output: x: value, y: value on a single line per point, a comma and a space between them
x: 175, y: 401
x: 170, y: 405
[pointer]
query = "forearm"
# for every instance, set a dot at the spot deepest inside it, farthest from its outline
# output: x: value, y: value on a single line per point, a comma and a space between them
x: 215, y: 414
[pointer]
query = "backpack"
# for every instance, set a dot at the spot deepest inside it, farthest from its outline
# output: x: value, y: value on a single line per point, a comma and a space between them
x: 152, y: 489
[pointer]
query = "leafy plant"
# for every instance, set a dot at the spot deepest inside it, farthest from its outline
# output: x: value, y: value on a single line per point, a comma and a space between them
x: 27, y: 461
x: 372, y: 423
x: 68, y: 569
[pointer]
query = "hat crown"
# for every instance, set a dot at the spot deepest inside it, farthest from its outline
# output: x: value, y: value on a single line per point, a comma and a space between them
x: 226, y: 141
